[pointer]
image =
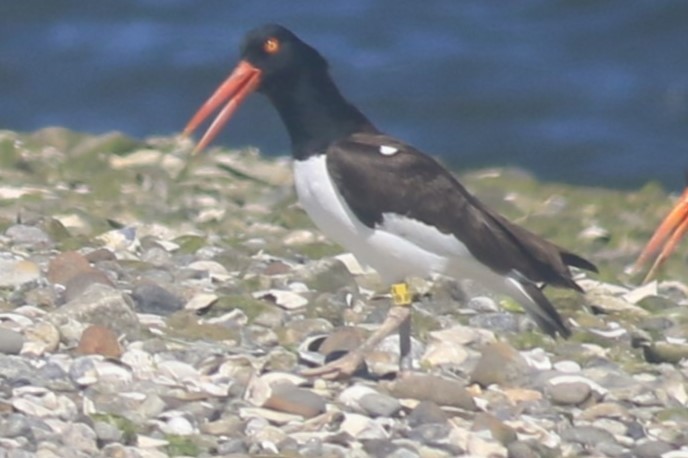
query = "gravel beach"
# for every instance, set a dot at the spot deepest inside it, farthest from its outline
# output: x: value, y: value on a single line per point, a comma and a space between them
x: 155, y: 305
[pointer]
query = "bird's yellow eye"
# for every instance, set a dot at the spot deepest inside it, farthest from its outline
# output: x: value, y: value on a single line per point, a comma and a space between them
x: 271, y: 45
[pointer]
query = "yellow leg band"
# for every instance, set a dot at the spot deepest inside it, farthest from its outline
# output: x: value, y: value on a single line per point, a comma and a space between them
x: 401, y: 294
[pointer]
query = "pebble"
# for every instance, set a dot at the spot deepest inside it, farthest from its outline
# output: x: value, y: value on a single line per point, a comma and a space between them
x: 440, y: 390
x: 569, y: 393
x: 500, y: 364
x: 21, y: 234
x: 154, y: 299
x: 290, y: 399
x: 17, y: 272
x: 652, y: 449
x: 11, y: 342
x: 427, y: 412
x: 665, y: 352
x: 521, y: 449
x: 379, y: 405
x: 99, y: 340
x: 500, y: 431
x: 588, y: 436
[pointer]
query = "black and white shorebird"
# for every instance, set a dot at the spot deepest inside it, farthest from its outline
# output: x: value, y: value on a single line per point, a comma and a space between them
x: 396, y: 209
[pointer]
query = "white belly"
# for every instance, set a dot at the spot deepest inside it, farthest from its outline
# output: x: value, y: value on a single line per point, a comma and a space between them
x: 391, y: 255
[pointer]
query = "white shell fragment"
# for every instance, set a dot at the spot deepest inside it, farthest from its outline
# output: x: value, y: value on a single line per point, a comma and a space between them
x: 201, y: 302
x: 215, y: 270
x: 285, y: 299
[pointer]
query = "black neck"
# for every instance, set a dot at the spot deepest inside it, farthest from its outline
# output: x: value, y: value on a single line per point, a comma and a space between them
x: 315, y: 113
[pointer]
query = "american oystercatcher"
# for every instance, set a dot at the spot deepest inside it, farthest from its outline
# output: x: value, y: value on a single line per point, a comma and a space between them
x: 396, y: 209
x: 666, y: 237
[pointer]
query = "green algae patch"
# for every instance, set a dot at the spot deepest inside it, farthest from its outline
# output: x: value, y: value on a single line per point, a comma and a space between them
x: 181, y: 445
x: 189, y: 244
x: 184, y: 324
x: 127, y: 427
x: 319, y: 250
x: 528, y: 340
x: 247, y: 304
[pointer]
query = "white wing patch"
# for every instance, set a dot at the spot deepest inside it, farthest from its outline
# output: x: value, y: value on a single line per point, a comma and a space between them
x: 425, y: 236
x: 388, y: 150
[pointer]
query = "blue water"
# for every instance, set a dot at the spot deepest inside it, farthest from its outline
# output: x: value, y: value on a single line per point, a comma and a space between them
x: 592, y: 92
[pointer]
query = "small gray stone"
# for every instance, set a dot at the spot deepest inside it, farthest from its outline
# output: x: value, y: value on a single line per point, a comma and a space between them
x: 403, y: 452
x: 588, y: 436
x: 483, y: 304
x: 440, y: 390
x: 652, y: 449
x: 570, y: 393
x: 615, y: 427
x: 81, y: 281
x: 611, y: 449
x: 11, y: 342
x: 379, y: 447
x: 664, y: 352
x: 232, y: 446
x: 28, y: 235
x: 80, y: 437
x: 379, y: 405
x: 17, y: 453
x: 431, y: 434
x: 17, y: 370
x: 501, y: 364
x: 154, y: 299
x: 15, y: 425
x: 315, y: 448
x: 288, y: 398
x: 426, y: 412
x: 107, y: 432
x: 500, y: 431
x: 521, y: 449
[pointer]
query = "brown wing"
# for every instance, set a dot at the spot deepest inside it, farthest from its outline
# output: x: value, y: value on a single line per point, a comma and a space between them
x: 413, y: 184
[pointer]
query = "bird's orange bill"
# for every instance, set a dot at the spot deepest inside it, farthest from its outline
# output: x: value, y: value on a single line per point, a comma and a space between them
x: 244, y: 79
x: 666, y: 237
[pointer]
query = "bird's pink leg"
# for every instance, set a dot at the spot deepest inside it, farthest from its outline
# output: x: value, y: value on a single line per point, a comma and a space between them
x: 398, y: 318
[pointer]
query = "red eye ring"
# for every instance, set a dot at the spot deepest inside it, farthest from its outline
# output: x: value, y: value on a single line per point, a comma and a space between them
x: 271, y: 45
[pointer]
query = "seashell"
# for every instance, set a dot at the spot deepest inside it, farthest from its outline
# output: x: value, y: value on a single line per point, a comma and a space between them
x: 175, y: 373
x: 120, y: 240
x: 285, y: 299
x: 537, y: 358
x: 567, y: 366
x: 140, y: 362
x: 201, y: 302
x: 15, y: 321
x: 113, y: 373
x: 83, y: 369
x: 216, y: 271
x: 308, y: 350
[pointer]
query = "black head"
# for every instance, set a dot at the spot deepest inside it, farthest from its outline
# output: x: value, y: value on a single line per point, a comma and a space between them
x: 294, y: 76
x: 280, y: 55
